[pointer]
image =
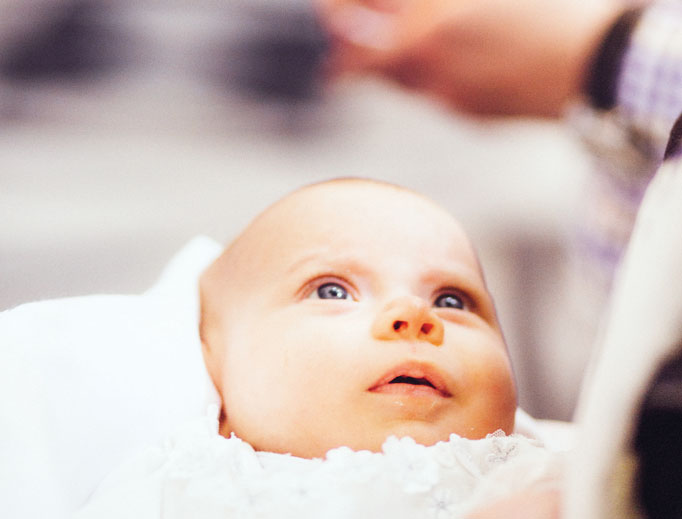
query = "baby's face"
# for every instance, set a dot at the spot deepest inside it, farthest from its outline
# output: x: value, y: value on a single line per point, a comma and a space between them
x: 350, y: 312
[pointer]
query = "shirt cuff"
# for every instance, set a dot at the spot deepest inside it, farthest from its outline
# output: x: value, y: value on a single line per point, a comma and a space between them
x: 602, y: 81
x: 674, y: 147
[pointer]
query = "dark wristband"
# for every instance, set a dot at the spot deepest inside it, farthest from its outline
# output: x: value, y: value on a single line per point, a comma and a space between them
x: 602, y: 78
x: 675, y: 141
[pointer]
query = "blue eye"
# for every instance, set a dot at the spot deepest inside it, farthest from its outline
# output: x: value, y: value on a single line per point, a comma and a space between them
x: 332, y: 291
x: 449, y: 301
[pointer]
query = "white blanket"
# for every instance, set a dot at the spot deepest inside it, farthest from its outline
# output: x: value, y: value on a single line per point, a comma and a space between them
x: 87, y: 381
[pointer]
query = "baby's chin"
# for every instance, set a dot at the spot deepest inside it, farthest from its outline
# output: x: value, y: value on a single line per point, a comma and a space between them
x: 425, y: 433
x: 422, y: 434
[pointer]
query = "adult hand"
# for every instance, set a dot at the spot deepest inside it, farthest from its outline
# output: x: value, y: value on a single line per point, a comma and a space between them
x: 487, y: 57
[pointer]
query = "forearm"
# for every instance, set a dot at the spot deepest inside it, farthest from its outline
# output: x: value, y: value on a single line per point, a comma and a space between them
x: 484, y: 57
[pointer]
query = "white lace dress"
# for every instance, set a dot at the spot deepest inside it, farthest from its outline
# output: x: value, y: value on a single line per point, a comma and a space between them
x: 199, y: 474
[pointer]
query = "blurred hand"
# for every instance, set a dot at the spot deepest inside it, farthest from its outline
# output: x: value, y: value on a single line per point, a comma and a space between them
x: 532, y: 504
x: 486, y: 57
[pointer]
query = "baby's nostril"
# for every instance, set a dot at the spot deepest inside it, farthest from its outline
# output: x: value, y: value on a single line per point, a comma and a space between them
x: 426, y: 328
x: 399, y: 325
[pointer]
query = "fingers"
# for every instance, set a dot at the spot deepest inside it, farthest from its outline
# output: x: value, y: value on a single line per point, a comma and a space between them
x: 362, y: 33
x: 397, y: 39
x: 359, y: 26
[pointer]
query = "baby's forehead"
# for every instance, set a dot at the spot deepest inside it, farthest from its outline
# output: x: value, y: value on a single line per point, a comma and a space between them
x: 351, y: 217
x: 355, y: 205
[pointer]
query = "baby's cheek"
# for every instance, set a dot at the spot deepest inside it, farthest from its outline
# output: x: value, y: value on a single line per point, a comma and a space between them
x: 497, y: 375
x: 503, y: 400
x: 492, y: 377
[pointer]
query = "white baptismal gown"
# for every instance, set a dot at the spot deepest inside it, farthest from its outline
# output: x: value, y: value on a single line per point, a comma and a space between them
x: 199, y: 474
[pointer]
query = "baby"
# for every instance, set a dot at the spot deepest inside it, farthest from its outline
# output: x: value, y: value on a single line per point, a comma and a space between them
x: 349, y: 328
x: 350, y: 311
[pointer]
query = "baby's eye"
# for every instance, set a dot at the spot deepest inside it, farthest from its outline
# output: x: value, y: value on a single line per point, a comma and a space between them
x: 331, y: 291
x: 449, y: 301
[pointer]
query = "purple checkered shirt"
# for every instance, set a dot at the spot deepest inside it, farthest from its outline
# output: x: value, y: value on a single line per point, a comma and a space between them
x: 645, y: 98
x: 649, y: 91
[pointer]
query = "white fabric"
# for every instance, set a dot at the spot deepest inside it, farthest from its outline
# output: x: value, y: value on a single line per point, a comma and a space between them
x: 201, y: 475
x: 86, y: 381
x: 644, y: 326
x: 556, y: 435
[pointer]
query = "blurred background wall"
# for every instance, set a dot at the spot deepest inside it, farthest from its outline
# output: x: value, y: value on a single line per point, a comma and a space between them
x: 128, y: 128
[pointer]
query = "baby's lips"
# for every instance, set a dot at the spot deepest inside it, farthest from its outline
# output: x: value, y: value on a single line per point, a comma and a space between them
x: 429, y: 375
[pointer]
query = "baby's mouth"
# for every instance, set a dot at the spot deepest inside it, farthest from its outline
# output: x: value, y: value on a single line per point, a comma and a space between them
x: 412, y: 379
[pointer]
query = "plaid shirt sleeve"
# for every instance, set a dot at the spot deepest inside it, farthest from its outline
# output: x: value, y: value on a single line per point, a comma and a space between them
x: 634, y: 91
x: 636, y: 74
x: 649, y: 89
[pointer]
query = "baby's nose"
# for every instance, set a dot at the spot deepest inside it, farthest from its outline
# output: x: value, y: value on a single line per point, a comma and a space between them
x: 410, y: 318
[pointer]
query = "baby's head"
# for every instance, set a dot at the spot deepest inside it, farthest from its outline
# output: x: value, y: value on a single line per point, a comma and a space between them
x: 350, y: 311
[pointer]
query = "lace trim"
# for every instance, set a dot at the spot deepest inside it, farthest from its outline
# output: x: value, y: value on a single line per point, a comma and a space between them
x: 205, y: 471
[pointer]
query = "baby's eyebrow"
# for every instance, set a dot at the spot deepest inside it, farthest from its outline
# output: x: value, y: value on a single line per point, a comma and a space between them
x: 457, y: 275
x: 329, y: 259
x: 461, y: 277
